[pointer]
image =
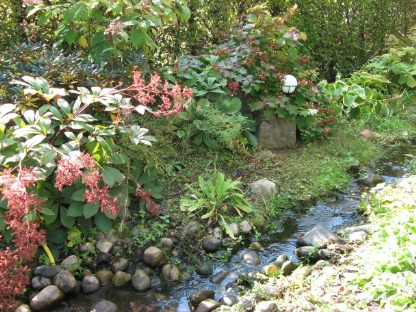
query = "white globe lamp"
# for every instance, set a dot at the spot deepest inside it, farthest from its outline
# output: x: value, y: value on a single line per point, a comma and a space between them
x: 289, y: 84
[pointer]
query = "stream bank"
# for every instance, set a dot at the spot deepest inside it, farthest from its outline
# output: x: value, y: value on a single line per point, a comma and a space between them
x: 165, y: 295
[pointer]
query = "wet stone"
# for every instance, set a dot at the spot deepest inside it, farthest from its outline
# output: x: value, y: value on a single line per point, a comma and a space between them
x: 186, y: 276
x: 319, y: 236
x: 104, y: 276
x: 256, y: 245
x: 280, y: 260
x: 211, y: 244
x: 47, y: 298
x: 170, y: 272
x: 104, y: 245
x: 218, y: 277
x: 48, y: 271
x: 155, y: 281
x: 40, y: 282
x: 197, y: 297
x: 204, y: 269
x: 207, y: 305
x: 288, y: 267
x: 307, y: 252
x: 153, y: 256
x: 119, y: 264
x: 90, y: 284
x: 140, y: 280
x: 121, y: 278
x: 65, y: 281
x: 251, y: 258
x: 104, y: 306
x: 71, y: 263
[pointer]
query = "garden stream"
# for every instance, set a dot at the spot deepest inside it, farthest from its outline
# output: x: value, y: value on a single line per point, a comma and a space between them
x: 172, y: 296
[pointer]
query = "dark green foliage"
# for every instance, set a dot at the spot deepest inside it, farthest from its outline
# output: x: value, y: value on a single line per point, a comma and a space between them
x: 398, y: 65
x: 11, y: 16
x: 343, y: 35
x: 60, y: 68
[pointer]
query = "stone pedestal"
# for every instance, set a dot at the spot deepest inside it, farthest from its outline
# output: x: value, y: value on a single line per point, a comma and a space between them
x: 275, y: 133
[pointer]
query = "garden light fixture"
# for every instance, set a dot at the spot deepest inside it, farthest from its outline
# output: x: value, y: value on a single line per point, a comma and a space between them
x: 290, y: 84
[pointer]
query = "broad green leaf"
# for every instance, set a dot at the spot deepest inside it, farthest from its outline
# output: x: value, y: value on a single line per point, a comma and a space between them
x: 411, y: 82
x: 70, y: 36
x: 230, y: 107
x: 57, y: 236
x: 33, y: 141
x: 137, y: 37
x: 148, y: 176
x: 78, y: 195
x: 76, y: 209
x: 51, y: 218
x: 111, y: 175
x: 64, y: 106
x: 66, y: 220
x: 198, y: 139
x: 97, y: 38
x: 102, y: 222
x: 90, y: 209
x: 186, y: 13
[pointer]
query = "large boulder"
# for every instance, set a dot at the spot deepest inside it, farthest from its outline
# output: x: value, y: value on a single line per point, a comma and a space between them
x: 263, y: 188
x: 276, y: 133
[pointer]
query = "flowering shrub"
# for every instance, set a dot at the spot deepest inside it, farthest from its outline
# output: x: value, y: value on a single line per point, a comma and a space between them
x: 251, y: 65
x: 59, y: 163
x: 27, y: 235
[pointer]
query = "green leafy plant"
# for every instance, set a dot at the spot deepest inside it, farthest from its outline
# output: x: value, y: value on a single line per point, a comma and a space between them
x: 216, y: 124
x: 80, y: 178
x: 216, y: 198
x: 398, y: 66
x: 110, y: 29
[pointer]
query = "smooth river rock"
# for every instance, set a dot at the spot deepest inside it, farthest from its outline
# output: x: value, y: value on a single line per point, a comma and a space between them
x: 318, y: 237
x: 65, y: 281
x: 153, y: 256
x: 90, y: 283
x: 104, y: 306
x: 47, y: 298
x: 251, y: 257
x: 140, y: 280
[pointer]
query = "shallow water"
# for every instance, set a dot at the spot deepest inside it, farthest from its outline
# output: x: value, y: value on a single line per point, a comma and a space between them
x: 172, y: 296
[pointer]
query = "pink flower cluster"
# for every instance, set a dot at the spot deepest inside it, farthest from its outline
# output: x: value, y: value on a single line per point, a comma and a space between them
x: 26, y: 234
x: 69, y: 169
x: 147, y: 199
x: 148, y: 94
